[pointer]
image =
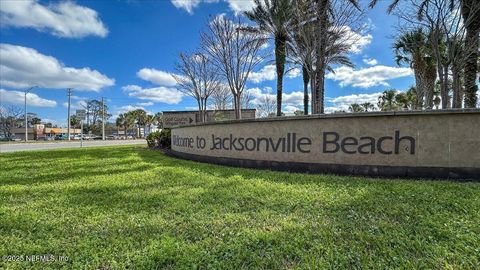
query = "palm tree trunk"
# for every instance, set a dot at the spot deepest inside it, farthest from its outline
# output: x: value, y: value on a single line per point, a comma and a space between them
x: 280, y: 58
x: 443, y: 87
x: 321, y: 29
x: 314, y: 96
x: 445, y: 104
x: 306, y: 79
x: 471, y: 18
x: 419, y: 85
x: 429, y: 84
x: 457, y: 87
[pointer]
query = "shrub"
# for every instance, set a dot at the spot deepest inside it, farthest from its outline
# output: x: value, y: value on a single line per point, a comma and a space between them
x: 159, y: 139
x: 165, y: 140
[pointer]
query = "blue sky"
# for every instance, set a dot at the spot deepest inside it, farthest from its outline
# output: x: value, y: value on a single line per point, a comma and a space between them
x: 125, y: 51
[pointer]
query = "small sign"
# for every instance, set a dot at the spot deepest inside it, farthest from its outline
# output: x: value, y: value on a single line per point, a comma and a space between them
x: 80, y: 114
x: 178, y: 119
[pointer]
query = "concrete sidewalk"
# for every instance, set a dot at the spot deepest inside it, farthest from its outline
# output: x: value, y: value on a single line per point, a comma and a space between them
x: 16, y: 147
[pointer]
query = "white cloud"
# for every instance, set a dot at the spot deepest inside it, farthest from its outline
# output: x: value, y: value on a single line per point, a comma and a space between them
x: 63, y: 19
x: 267, y: 73
x: 236, y: 6
x: 131, y: 88
x: 17, y: 97
x: 370, y: 61
x: 145, y: 104
x: 22, y: 67
x: 356, y: 41
x: 240, y: 5
x: 293, y: 73
x: 126, y: 108
x: 342, y: 103
x: 187, y: 5
x: 368, y: 77
x: 157, y: 77
x: 289, y: 109
x: 294, y: 98
x: 156, y: 94
x: 78, y: 105
x: 53, y: 121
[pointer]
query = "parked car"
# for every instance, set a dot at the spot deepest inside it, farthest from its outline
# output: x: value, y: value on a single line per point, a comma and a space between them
x: 7, y: 139
x: 112, y: 137
x: 61, y: 137
x: 78, y: 137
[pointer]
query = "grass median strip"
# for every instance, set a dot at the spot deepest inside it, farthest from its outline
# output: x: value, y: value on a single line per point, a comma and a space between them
x: 126, y: 206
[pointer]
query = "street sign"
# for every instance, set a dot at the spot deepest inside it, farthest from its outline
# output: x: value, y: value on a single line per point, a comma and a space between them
x: 80, y: 114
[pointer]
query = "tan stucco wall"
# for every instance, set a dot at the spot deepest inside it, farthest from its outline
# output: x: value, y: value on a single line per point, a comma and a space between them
x: 442, y: 139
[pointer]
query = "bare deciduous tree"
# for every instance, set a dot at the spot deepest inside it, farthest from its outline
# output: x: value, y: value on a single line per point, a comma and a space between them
x: 10, y: 118
x: 222, y: 99
x: 198, y: 78
x: 234, y: 51
x: 267, y: 106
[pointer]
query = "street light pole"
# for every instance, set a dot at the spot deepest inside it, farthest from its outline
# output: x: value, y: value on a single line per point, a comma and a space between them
x: 69, y: 93
x: 103, y: 119
x: 25, y: 115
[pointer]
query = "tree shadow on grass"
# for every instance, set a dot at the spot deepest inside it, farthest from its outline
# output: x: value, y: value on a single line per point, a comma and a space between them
x: 66, y: 165
x: 235, y: 217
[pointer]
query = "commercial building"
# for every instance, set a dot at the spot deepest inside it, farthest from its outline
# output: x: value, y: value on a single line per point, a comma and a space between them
x: 40, y: 132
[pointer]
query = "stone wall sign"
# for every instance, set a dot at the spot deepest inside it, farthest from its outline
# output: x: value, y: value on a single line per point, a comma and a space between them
x: 434, y: 144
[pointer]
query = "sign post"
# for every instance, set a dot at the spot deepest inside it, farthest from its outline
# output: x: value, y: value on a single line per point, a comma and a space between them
x: 80, y: 114
x: 81, y: 130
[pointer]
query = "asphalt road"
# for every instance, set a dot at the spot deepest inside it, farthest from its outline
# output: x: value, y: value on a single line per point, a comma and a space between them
x: 15, y: 147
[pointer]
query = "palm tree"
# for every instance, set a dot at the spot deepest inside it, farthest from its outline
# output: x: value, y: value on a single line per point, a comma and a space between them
x: 386, y: 102
x: 324, y: 8
x: 355, y: 107
x: 457, y: 49
x: 406, y: 100
x: 303, y: 49
x: 138, y: 117
x: 402, y: 100
x: 413, y: 48
x: 129, y: 123
x: 158, y: 119
x: 470, y: 10
x: 74, y: 121
x: 149, y: 120
x: 120, y: 122
x: 368, y: 106
x: 273, y: 17
x: 471, y: 18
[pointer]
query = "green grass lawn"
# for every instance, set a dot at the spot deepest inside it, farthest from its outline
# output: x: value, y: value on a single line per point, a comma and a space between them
x: 129, y: 207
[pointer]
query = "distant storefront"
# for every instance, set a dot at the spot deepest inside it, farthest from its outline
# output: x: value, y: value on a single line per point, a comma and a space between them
x: 40, y: 132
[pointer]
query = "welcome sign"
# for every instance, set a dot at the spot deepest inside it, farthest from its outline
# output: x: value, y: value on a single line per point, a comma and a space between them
x: 291, y: 142
x: 426, y: 140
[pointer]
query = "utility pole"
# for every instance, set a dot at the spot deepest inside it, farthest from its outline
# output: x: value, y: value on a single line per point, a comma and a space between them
x: 68, y: 120
x: 103, y: 119
x: 25, y: 116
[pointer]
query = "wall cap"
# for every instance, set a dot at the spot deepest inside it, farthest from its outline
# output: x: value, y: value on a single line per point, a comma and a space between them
x: 339, y: 115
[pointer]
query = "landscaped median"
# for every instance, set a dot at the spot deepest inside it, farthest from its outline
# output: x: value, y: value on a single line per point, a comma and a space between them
x: 127, y: 206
